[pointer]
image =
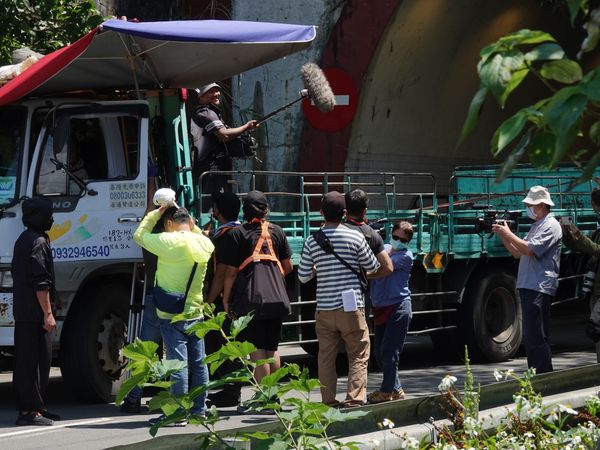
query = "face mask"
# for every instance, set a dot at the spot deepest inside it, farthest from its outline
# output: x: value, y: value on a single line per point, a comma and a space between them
x: 531, y: 212
x: 398, y: 245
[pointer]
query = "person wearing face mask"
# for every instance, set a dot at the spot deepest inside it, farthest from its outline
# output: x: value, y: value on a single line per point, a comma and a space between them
x: 392, y: 312
x: 590, y: 246
x: 34, y: 300
x: 537, y: 278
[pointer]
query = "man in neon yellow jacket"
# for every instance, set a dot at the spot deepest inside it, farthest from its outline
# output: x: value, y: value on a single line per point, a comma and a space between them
x: 180, y: 246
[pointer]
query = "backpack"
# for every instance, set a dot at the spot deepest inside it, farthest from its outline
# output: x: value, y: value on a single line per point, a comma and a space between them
x: 260, y: 286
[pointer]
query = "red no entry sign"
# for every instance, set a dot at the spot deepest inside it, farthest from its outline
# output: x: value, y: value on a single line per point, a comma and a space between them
x: 346, y: 96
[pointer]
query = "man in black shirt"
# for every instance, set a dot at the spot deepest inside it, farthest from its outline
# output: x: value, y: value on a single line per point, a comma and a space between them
x: 33, y: 304
x: 356, y: 209
x: 226, y: 209
x: 243, y: 288
x: 210, y: 134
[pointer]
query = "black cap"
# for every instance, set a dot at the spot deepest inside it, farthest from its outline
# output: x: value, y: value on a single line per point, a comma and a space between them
x: 255, y: 205
x: 333, y: 203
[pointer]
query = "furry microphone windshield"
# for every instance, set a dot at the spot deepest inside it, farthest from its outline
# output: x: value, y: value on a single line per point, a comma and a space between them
x: 316, y: 87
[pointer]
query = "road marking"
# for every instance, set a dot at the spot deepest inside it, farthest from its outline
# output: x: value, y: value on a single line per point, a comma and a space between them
x: 55, y: 427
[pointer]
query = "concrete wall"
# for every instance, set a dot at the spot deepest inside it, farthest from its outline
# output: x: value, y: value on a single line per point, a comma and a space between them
x: 415, y: 95
x: 268, y: 87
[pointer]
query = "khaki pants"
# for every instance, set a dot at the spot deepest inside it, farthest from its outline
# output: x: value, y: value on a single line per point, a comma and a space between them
x: 350, y: 327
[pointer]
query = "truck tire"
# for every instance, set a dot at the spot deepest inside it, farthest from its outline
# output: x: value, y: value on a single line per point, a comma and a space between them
x: 90, y: 359
x: 491, y: 317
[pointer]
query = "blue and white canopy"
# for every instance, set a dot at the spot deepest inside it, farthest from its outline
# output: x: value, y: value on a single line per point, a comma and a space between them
x: 176, y: 54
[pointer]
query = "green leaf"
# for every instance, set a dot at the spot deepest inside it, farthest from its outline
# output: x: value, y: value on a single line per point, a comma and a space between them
x: 595, y: 133
x: 513, y: 159
x: 165, y: 367
x: 239, y: 324
x: 507, y: 132
x: 590, y: 85
x: 203, y: 327
x: 526, y: 36
x: 237, y: 350
x: 588, y: 170
x: 275, y: 377
x: 564, y: 71
x: 563, y: 111
x: 473, y: 114
x: 541, y: 149
x: 545, y: 51
x: 503, y: 73
x: 574, y: 6
x: 258, y: 435
x: 128, y: 385
x: 141, y: 350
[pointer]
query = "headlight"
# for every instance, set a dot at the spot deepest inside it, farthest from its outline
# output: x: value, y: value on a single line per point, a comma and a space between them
x: 6, y: 280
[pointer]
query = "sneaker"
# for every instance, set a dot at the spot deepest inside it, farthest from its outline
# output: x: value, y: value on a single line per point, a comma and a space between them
x: 49, y: 415
x: 33, y: 418
x: 380, y: 397
x: 131, y: 406
x: 224, y: 398
x: 179, y: 423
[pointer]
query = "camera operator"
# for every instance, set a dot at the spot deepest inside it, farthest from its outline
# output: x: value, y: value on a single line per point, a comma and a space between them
x: 575, y: 240
x: 356, y: 209
x: 537, y: 279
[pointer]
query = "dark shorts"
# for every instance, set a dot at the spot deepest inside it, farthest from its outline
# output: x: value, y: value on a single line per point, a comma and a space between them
x: 265, y: 334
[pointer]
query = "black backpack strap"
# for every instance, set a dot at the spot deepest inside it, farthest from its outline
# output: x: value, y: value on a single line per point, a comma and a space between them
x: 323, y: 241
x: 189, y: 283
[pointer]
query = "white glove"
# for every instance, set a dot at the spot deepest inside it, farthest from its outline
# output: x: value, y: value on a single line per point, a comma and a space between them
x: 164, y: 196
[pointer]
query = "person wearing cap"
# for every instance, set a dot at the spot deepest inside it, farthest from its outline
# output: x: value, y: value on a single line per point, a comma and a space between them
x: 34, y: 300
x: 537, y: 278
x: 264, y: 331
x: 209, y: 135
x: 574, y: 239
x: 226, y: 210
x: 180, y: 246
x: 340, y: 313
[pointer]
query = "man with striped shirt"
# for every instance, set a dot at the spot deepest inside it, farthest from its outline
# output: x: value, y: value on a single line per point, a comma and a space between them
x: 340, y: 311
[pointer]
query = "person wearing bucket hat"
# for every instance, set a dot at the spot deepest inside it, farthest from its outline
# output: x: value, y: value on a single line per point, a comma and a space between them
x: 209, y: 136
x: 537, y: 278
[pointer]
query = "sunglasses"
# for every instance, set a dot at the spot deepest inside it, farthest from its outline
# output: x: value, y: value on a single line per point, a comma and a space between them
x: 398, y: 238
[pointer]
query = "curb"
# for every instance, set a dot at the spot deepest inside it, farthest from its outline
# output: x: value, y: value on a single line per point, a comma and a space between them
x: 412, y: 416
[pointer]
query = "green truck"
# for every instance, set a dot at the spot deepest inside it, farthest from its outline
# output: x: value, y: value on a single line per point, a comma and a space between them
x: 463, y: 281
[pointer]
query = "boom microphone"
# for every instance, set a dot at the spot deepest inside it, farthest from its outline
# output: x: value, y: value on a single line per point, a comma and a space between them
x: 316, y: 87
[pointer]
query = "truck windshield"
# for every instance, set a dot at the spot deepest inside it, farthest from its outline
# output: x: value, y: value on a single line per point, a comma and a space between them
x: 12, y: 136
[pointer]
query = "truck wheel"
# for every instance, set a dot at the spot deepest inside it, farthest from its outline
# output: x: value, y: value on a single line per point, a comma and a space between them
x: 491, y: 314
x: 95, y: 332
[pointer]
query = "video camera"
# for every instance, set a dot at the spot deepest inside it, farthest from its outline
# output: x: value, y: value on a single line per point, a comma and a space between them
x: 379, y: 226
x: 493, y: 217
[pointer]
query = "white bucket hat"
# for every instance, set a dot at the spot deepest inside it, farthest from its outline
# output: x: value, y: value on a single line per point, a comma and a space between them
x: 537, y: 195
x: 204, y: 89
x: 164, y: 196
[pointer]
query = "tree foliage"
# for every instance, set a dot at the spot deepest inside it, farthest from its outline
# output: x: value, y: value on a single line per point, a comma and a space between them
x: 44, y: 25
x: 551, y: 130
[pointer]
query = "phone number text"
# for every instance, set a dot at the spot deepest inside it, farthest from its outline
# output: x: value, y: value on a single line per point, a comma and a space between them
x: 90, y: 251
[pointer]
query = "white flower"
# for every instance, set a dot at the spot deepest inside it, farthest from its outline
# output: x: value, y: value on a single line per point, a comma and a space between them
x: 553, y: 417
x: 449, y: 447
x: 509, y: 372
x: 447, y: 383
x: 529, y: 434
x: 498, y: 375
x: 576, y: 440
x: 566, y: 409
x: 412, y: 444
x: 387, y: 423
